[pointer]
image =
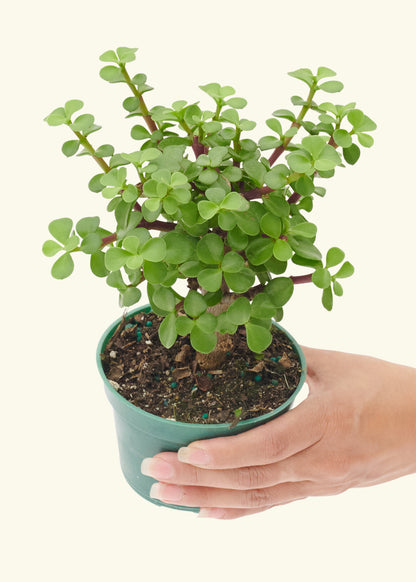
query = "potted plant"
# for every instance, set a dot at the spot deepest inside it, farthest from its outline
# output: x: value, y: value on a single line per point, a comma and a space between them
x: 208, y: 218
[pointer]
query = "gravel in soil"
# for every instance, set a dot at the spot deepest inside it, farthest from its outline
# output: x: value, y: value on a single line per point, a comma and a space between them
x: 170, y: 383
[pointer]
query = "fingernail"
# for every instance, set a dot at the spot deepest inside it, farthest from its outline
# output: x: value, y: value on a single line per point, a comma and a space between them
x: 156, y: 468
x: 165, y: 492
x: 193, y: 455
x: 216, y: 513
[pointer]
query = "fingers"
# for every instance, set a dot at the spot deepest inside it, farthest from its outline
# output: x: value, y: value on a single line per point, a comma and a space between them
x: 190, y: 496
x: 166, y: 467
x: 222, y: 513
x: 280, y: 438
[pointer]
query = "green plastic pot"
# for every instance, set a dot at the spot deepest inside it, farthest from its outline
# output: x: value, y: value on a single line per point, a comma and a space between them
x: 141, y: 434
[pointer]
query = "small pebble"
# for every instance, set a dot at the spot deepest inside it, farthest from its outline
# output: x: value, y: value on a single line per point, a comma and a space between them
x: 157, y: 379
x: 129, y: 326
x: 209, y: 376
x: 205, y: 416
x: 194, y: 389
x: 148, y: 342
x: 165, y: 402
x: 257, y: 378
x: 273, y: 359
x: 113, y: 354
x: 274, y: 382
x: 149, y: 323
x: 139, y: 336
x: 174, y: 385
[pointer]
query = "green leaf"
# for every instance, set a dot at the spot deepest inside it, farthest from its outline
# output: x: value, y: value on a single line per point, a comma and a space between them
x: 285, y: 114
x: 239, y: 311
x: 232, y: 173
x: 130, y: 296
x: 342, y: 138
x: 321, y: 278
x: 271, y: 225
x: 351, y: 154
x: 115, y: 280
x: 314, y: 144
x: 338, y: 290
x: 305, y: 249
x: 258, y: 337
x: 347, y: 270
x: 154, y: 272
x: 260, y: 250
x: 248, y: 223
x: 87, y: 225
x: 97, y: 264
x: 104, y: 151
x: 95, y: 184
x: 240, y: 282
x: 365, y: 140
x: 202, y: 342
x: 280, y: 290
x: 210, y: 279
x: 304, y: 75
x: 324, y: 72
x: 207, y: 209
x: 109, y: 57
x: 255, y: 170
x: 269, y: 142
x: 360, y: 121
x: 167, y: 331
x: 262, y: 307
x: 72, y: 106
x: 274, y: 125
x: 82, y: 122
x: 304, y: 186
x: 154, y: 250
x: 115, y: 258
x: 56, y: 117
x: 327, y: 299
x: 210, y: 249
x: 234, y: 201
x: 179, y: 248
x: 164, y: 298
x: 236, y: 239
x: 328, y: 159
x: 299, y: 162
x: 63, y: 267
x: 61, y: 229
x: 282, y: 250
x: 184, y: 325
x: 70, y: 148
x: 112, y: 74
x: 139, y: 132
x: 207, y: 322
x: 50, y: 248
x: 331, y: 86
x: 91, y: 243
x: 194, y: 304
x: 304, y: 229
x: 334, y: 257
x: 126, y: 55
x: 232, y: 262
x: 208, y: 176
x: 237, y: 102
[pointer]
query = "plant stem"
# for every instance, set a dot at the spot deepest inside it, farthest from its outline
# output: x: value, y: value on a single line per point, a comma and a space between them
x: 100, y: 161
x: 143, y: 108
x: 280, y: 149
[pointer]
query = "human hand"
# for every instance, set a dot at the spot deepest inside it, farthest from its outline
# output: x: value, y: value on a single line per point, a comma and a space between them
x: 356, y: 428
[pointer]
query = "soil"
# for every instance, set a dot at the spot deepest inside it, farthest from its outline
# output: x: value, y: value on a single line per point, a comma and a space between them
x: 172, y: 384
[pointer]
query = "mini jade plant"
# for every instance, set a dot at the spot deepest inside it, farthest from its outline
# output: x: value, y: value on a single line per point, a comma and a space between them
x: 198, y: 200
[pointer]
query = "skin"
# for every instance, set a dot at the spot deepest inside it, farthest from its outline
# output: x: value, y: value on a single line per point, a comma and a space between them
x: 356, y: 428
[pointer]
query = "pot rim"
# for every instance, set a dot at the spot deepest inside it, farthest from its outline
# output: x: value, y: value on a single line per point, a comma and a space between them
x: 208, y: 427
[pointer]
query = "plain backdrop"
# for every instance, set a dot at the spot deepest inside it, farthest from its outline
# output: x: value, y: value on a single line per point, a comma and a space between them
x: 67, y: 513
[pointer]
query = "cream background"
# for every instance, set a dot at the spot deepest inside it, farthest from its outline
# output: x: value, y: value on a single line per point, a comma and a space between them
x: 67, y: 513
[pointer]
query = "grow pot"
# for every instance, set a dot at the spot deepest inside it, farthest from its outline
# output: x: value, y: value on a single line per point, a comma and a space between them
x: 141, y: 434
